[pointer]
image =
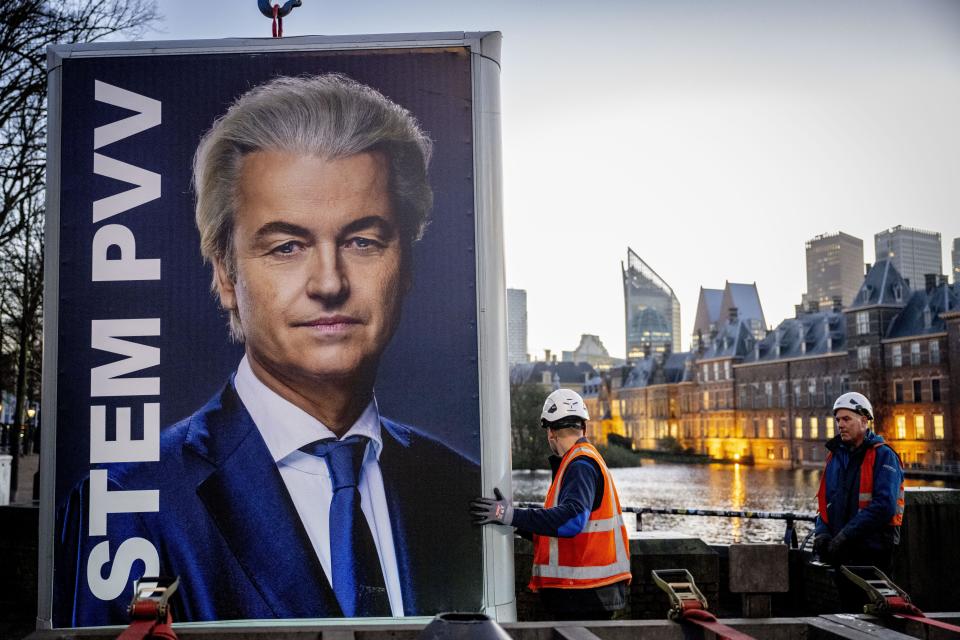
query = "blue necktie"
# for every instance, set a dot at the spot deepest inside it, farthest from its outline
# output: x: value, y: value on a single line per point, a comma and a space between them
x: 357, y: 578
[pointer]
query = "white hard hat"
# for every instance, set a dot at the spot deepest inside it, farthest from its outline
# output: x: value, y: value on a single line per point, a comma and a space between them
x: 563, y: 403
x: 856, y: 402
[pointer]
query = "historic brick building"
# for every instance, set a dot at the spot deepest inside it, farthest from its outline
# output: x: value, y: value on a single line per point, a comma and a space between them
x: 770, y: 400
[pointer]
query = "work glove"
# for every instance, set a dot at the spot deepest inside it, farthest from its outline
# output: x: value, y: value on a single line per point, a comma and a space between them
x: 497, y: 510
x: 820, y: 545
x: 839, y: 540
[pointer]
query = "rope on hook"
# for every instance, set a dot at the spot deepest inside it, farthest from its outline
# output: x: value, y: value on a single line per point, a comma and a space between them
x: 277, y: 13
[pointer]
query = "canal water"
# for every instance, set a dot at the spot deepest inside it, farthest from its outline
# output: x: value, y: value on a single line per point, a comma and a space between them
x: 713, y: 486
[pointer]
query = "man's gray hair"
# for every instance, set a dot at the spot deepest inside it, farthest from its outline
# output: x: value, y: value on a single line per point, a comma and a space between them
x: 328, y: 116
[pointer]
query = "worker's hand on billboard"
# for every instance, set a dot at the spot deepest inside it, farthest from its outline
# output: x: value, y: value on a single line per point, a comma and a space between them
x: 497, y: 510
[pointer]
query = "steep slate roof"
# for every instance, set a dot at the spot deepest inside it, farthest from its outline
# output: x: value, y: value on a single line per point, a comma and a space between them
x: 733, y: 340
x: 812, y: 334
x: 921, y: 315
x: 883, y: 285
x: 708, y: 310
x: 676, y: 367
x: 745, y: 298
x: 569, y: 372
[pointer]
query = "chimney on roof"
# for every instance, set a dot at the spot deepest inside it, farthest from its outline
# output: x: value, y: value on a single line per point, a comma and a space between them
x: 837, y: 304
x: 546, y: 355
x: 733, y: 314
x: 553, y: 358
x: 929, y: 282
x: 866, y: 269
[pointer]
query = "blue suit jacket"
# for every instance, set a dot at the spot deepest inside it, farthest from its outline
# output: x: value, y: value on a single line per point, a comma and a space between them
x: 228, y: 527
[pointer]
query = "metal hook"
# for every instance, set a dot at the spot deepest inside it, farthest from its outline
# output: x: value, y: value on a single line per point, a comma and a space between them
x: 267, y: 10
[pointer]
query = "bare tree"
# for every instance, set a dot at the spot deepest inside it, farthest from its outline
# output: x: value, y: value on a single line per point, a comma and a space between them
x: 27, y: 27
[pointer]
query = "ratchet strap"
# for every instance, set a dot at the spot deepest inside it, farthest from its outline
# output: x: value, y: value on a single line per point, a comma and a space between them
x: 688, y: 604
x: 887, y: 599
x: 150, y: 616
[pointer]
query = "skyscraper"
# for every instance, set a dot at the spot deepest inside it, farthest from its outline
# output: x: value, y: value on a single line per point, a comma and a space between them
x: 913, y: 252
x: 955, y: 256
x: 834, y: 269
x: 652, y: 310
x: 516, y: 326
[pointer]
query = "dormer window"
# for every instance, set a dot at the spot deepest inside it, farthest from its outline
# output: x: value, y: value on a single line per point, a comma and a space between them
x: 863, y: 323
x: 927, y: 318
x: 897, y: 292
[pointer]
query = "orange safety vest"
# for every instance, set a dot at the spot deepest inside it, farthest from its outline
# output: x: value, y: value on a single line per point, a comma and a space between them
x: 866, y: 486
x: 597, y: 556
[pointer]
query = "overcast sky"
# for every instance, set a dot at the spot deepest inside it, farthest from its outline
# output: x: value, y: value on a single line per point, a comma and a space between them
x: 714, y: 138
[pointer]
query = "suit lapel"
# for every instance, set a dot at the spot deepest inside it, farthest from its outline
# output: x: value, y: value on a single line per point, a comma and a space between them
x: 401, y: 491
x: 249, y: 503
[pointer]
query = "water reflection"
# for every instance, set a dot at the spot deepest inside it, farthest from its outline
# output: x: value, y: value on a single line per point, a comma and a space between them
x: 712, y: 486
x: 737, y: 499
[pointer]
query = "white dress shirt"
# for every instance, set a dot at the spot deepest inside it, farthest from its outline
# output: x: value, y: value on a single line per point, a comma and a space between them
x: 285, y: 428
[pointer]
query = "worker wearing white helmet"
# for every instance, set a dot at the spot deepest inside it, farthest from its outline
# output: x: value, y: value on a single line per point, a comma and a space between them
x: 581, y: 557
x: 860, y: 501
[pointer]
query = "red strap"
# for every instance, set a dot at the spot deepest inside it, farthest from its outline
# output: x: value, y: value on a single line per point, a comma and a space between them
x: 930, y: 621
x: 277, y: 29
x: 146, y: 626
x: 708, y: 621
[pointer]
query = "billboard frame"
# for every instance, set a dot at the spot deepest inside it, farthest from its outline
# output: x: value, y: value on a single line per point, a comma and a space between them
x: 484, y: 47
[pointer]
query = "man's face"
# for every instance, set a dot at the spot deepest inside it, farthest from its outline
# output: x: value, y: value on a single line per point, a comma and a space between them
x: 852, y: 426
x: 319, y: 264
x: 552, y: 441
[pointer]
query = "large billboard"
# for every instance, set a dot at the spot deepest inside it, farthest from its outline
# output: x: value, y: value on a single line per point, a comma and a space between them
x: 275, y: 323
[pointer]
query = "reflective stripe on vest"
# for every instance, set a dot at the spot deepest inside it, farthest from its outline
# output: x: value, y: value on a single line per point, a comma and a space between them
x: 599, y: 553
x: 866, y: 486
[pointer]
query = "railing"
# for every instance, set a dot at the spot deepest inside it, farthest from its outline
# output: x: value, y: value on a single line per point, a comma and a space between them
x: 790, y: 517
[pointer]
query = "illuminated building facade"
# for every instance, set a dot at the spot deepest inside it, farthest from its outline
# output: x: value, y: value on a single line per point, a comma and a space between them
x: 770, y: 401
x: 652, y: 311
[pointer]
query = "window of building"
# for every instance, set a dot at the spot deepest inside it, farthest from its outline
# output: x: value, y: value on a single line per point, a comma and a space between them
x: 844, y: 384
x: 785, y: 453
x: 815, y: 453
x: 934, y: 348
x: 726, y: 370
x: 783, y: 428
x: 798, y: 428
x: 770, y: 454
x: 831, y: 427
x: 898, y: 392
x: 716, y: 370
x: 705, y: 372
x: 897, y: 355
x: 827, y: 391
x: 863, y: 357
x: 938, y: 426
x: 814, y: 427
x: 768, y: 390
x: 769, y: 427
x: 935, y: 390
x: 914, y: 353
x: 919, y: 427
x: 706, y: 399
x: 756, y: 427
x: 812, y: 388
x: 782, y: 388
x: 863, y: 322
x: 796, y: 394
x: 901, y: 422
x: 917, y: 391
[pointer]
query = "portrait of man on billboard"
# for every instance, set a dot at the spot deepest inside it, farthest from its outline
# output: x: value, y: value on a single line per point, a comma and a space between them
x: 288, y: 494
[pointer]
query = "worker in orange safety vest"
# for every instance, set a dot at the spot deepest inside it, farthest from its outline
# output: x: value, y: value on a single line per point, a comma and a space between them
x: 860, y: 500
x: 581, y: 556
